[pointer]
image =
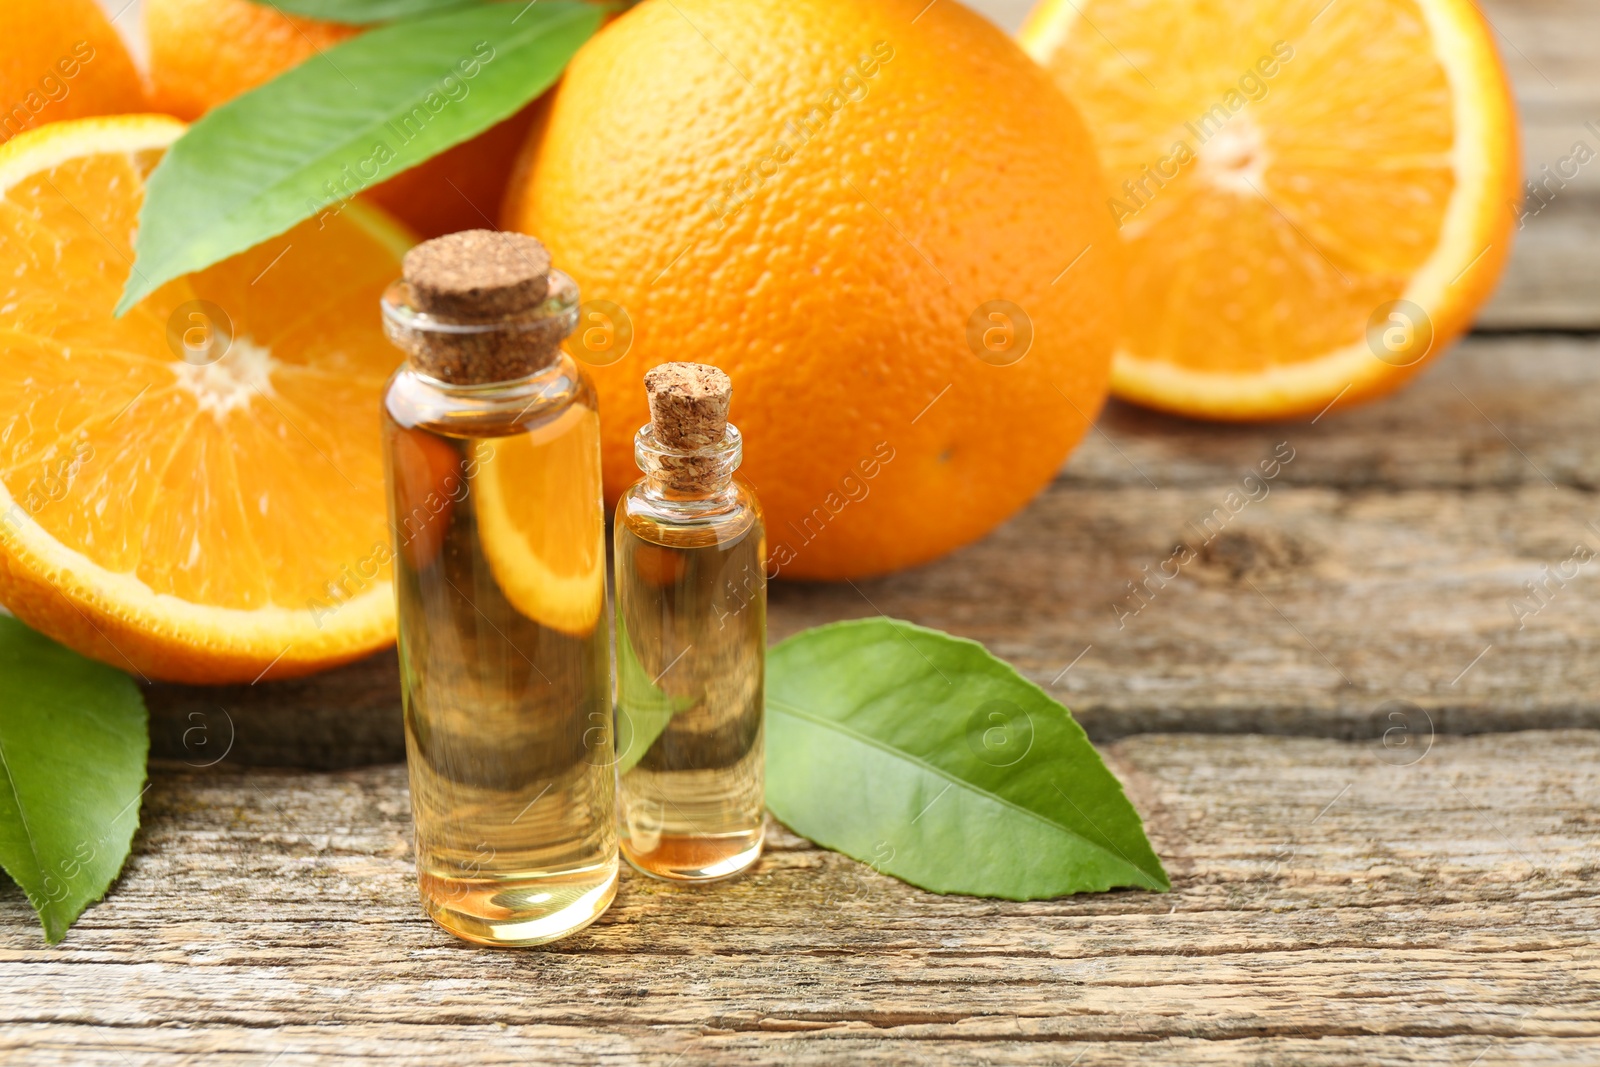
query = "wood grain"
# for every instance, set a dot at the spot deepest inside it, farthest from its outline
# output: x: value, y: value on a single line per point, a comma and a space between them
x: 1388, y: 560
x: 1495, y: 412
x: 1329, y: 906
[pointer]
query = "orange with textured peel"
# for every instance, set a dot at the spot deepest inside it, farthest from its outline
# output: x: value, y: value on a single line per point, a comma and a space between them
x: 827, y: 200
x: 206, y: 52
x: 1315, y: 197
x: 185, y: 494
x: 61, y: 59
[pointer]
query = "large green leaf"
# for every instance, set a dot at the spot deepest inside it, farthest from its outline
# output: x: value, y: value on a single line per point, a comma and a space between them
x: 73, y: 741
x: 358, y: 114
x: 925, y: 756
x: 361, y: 12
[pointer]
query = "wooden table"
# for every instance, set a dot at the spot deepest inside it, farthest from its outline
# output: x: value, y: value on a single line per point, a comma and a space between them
x: 1374, y: 790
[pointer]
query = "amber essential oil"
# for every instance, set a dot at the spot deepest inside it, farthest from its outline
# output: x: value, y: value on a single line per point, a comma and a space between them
x: 691, y: 639
x: 492, y: 445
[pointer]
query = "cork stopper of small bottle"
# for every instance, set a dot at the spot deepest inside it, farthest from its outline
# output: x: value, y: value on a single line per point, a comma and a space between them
x: 482, y: 286
x: 689, y: 413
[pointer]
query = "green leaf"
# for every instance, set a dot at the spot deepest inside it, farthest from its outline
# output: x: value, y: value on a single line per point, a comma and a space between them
x: 306, y: 142
x: 927, y: 757
x: 361, y: 12
x: 643, y: 708
x: 73, y: 741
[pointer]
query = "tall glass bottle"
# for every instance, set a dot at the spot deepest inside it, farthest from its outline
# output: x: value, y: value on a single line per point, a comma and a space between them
x: 691, y: 638
x: 491, y: 438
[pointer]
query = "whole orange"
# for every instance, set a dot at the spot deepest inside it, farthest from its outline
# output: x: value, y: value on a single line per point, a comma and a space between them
x: 880, y: 218
x: 206, y: 52
x: 61, y: 59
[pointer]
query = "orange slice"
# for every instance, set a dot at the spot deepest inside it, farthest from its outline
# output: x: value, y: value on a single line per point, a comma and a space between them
x: 1316, y: 194
x: 192, y: 492
x: 545, y: 543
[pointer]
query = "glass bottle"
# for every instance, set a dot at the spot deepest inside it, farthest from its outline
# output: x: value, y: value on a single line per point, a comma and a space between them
x: 491, y: 440
x: 691, y: 639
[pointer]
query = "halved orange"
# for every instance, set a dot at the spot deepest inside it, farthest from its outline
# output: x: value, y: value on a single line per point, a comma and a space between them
x: 1316, y: 194
x: 193, y: 492
x: 546, y: 544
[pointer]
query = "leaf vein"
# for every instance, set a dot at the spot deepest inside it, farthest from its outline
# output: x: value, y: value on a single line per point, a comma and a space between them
x: 940, y: 772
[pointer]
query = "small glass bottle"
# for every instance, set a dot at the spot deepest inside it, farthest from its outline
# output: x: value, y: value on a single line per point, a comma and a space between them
x: 691, y: 593
x: 491, y: 438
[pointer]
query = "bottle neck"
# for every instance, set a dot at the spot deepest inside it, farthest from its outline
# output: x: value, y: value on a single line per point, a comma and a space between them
x: 688, y: 476
x: 493, y: 409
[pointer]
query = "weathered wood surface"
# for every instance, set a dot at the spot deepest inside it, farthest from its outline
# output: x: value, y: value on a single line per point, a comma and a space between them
x: 1378, y: 565
x: 1330, y: 905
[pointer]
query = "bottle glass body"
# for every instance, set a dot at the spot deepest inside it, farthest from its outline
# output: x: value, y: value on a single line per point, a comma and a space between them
x: 497, y: 521
x: 691, y: 651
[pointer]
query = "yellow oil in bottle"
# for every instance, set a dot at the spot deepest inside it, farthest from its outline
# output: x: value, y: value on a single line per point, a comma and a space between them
x: 691, y: 630
x: 505, y: 672
x: 690, y: 697
x: 498, y: 531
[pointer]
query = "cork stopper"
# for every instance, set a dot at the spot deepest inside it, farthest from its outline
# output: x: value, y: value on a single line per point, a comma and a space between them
x: 478, y: 275
x: 688, y: 404
x: 487, y: 290
x: 689, y: 413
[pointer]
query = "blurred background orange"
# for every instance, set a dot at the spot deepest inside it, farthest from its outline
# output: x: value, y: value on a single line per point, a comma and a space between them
x: 201, y: 53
